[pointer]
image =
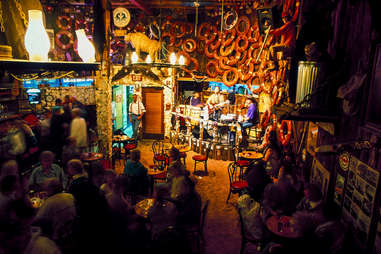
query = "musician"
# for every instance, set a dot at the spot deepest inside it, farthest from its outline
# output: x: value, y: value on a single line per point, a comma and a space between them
x: 215, y: 102
x: 196, y: 100
x: 252, y: 115
x: 136, y: 111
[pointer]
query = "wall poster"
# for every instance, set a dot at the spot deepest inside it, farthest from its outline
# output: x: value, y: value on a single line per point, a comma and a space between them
x: 320, y: 176
x: 359, y: 197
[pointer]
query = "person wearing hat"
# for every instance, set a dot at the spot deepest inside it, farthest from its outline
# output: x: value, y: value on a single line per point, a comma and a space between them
x: 252, y: 116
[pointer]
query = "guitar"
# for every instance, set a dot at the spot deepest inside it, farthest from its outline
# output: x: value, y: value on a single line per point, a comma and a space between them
x: 215, y: 107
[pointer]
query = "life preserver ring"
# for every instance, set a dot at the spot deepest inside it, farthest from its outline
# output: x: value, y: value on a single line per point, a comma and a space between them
x: 224, y: 51
x: 174, y: 29
x: 200, y: 34
x: 246, y: 71
x: 265, y: 118
x: 274, y: 120
x: 62, y: 26
x: 285, y: 139
x: 246, y: 20
x: 230, y: 15
x: 253, y: 34
x: 154, y: 30
x: 208, y: 53
x: 217, y: 43
x: 166, y: 26
x: 240, y: 38
x: 188, y: 63
x: 189, y: 45
x: 212, y: 33
x: 222, y: 63
x: 189, y: 28
x: 242, y: 58
x: 178, y: 42
x: 62, y: 34
x: 201, y: 46
x: 208, y: 70
x: 277, y: 95
x: 82, y: 24
x: 171, y: 38
x: 226, y: 75
x: 233, y: 60
x: 227, y: 40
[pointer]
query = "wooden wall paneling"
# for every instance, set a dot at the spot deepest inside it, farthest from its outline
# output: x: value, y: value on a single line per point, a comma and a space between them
x: 153, y: 121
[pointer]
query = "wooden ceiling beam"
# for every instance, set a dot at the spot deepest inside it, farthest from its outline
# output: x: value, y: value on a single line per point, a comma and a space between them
x: 142, y: 6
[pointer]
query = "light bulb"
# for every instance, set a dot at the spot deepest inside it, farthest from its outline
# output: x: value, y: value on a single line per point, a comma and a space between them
x: 181, y: 60
x: 172, y: 58
x: 148, y: 59
x: 36, y: 39
x: 134, y: 57
x: 85, y: 48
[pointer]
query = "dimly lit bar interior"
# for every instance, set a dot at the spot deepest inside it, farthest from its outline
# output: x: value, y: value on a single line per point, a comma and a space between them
x: 190, y: 126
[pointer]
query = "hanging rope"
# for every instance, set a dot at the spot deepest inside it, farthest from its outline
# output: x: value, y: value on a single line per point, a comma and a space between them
x: 196, y: 4
x: 222, y: 15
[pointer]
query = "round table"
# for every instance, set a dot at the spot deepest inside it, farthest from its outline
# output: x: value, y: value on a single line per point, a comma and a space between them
x: 250, y: 155
x: 91, y: 157
x: 282, y: 226
x: 142, y: 207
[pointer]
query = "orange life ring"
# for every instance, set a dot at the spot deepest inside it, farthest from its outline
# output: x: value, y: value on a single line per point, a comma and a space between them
x: 217, y: 43
x: 265, y: 119
x: 233, y: 59
x: 209, y: 72
x: 208, y: 53
x: 227, y: 40
x: 175, y: 27
x: 70, y: 39
x: 222, y: 63
x: 189, y: 28
x: 188, y: 63
x: 189, y: 45
x: 178, y: 42
x: 285, y: 139
x: 171, y: 38
x: 200, y: 34
x: 213, y: 33
x: 62, y: 26
x: 232, y: 81
x: 242, y: 58
x: 253, y: 34
x: 201, y: 46
x: 246, y: 71
x: 240, y: 38
x: 247, y: 25
x: 166, y: 26
x: 274, y: 120
x: 226, y: 51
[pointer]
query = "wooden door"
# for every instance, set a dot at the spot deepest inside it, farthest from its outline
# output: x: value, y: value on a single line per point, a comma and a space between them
x: 153, y: 120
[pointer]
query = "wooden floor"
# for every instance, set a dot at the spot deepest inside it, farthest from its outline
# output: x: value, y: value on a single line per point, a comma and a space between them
x: 221, y: 230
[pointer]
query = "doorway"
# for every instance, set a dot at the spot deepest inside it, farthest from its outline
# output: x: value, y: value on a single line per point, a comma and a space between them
x: 121, y: 98
x: 153, y: 120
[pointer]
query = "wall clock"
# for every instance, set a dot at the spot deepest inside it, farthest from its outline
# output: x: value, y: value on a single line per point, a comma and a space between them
x: 121, y: 17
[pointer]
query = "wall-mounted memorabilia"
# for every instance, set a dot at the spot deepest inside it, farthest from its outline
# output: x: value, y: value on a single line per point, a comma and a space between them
x: 344, y: 159
x: 359, y: 198
x: 320, y: 176
x: 312, y: 135
x: 339, y: 189
x: 121, y: 17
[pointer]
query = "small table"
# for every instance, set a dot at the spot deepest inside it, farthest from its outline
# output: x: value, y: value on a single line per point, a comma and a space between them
x: 250, y: 155
x: 152, y: 170
x: 183, y: 148
x: 143, y: 207
x: 282, y: 226
x: 91, y: 157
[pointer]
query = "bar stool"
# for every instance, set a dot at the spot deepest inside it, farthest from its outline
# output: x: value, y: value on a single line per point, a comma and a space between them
x: 201, y: 159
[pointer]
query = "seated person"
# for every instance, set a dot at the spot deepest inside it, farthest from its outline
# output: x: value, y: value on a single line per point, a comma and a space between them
x: 70, y: 151
x: 312, y: 200
x: 45, y: 171
x: 272, y: 156
x: 196, y: 100
x: 257, y: 180
x: 180, y: 183
x: 108, y: 183
x: 251, y: 117
x: 174, y: 160
x: 137, y: 173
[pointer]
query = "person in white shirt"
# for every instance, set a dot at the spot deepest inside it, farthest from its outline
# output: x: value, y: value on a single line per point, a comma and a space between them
x: 136, y: 111
x: 215, y: 103
x: 78, y: 129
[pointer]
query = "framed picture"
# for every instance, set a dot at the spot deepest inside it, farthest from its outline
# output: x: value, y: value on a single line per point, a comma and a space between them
x: 320, y: 176
x: 312, y: 136
x: 373, y: 116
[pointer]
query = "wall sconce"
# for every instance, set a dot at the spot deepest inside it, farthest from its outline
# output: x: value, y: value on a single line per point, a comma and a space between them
x: 36, y: 39
x: 86, y: 49
x: 134, y: 57
x: 148, y: 59
x: 172, y: 58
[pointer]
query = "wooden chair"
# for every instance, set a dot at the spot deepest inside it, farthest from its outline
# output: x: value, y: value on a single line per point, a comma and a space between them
x: 246, y: 238
x: 236, y: 181
x: 201, y: 159
x: 159, y: 157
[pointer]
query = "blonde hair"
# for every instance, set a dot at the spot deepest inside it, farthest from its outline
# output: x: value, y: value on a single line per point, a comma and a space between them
x: 76, y: 166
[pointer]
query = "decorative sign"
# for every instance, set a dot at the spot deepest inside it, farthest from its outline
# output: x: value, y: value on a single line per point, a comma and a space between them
x: 320, y: 176
x: 344, y: 161
x: 121, y: 17
x: 312, y: 136
x: 359, y: 198
x: 135, y: 77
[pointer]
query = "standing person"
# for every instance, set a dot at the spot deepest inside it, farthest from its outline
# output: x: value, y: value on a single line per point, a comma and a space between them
x: 78, y: 129
x: 57, y: 131
x: 136, y: 111
x: 215, y: 102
